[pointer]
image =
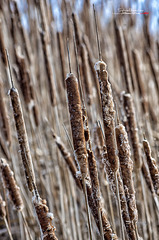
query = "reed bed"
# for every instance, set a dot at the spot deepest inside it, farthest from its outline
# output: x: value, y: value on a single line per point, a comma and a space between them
x: 79, y: 129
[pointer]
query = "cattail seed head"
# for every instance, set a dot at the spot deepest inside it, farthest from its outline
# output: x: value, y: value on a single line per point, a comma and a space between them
x: 10, y: 184
x: 108, y: 113
x: 154, y: 172
x: 22, y: 137
x: 77, y: 123
x: 45, y: 219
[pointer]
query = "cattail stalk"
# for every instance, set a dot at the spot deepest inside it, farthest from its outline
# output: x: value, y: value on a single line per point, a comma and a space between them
x: 62, y: 56
x: 154, y: 172
x: 10, y: 185
x: 4, y: 114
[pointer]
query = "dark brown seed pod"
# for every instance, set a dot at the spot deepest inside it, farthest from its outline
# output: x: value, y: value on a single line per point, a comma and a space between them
x: 77, y: 123
x: 126, y: 166
x: 130, y: 113
x: 108, y: 114
x: 22, y: 137
x: 154, y: 172
x: 45, y: 219
x: 2, y: 208
x: 4, y: 115
x: 67, y: 157
x: 10, y: 185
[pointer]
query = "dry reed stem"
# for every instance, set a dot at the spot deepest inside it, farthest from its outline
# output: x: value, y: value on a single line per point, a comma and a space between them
x: 48, y: 66
x: 45, y: 219
x: 77, y: 32
x: 86, y: 74
x: 141, y: 85
x: 10, y: 185
x: 108, y: 114
x: 2, y: 207
x: 126, y: 166
x: 91, y: 64
x: 62, y: 56
x: 130, y: 113
x: 2, y: 46
x: 147, y: 177
x: 67, y: 157
x: 154, y: 172
x: 24, y: 76
x: 122, y: 56
x: 22, y: 138
x: 153, y: 68
x: 4, y: 115
x: 77, y: 123
x: 4, y: 147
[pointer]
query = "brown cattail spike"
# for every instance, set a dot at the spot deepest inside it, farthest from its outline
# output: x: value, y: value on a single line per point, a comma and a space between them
x: 77, y: 123
x: 108, y: 113
x: 45, y: 219
x: 154, y: 172
x: 126, y: 166
x: 10, y: 185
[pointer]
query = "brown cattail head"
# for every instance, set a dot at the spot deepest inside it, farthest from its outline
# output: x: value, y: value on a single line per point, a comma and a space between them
x: 45, y: 219
x: 10, y: 185
x: 130, y: 113
x: 22, y: 137
x: 126, y: 166
x: 77, y: 123
x: 154, y: 172
x: 67, y: 157
x: 108, y: 113
x: 2, y: 208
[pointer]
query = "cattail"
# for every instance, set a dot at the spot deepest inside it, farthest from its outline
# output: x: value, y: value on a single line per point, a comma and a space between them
x: 45, y: 219
x: 108, y: 113
x: 130, y: 113
x: 126, y: 166
x: 67, y: 157
x: 3, y: 111
x: 77, y: 123
x: 34, y: 106
x: 123, y: 204
x: 86, y: 74
x: 2, y: 208
x: 22, y: 137
x: 10, y: 185
x: 154, y: 172
x: 62, y: 56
